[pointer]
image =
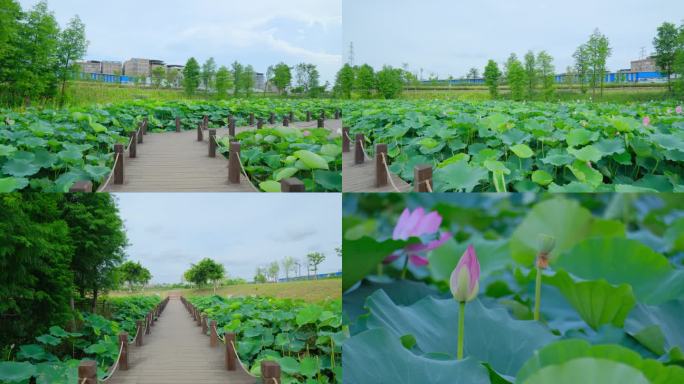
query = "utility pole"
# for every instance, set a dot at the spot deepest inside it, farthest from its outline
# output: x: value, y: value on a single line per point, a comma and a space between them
x: 351, y: 54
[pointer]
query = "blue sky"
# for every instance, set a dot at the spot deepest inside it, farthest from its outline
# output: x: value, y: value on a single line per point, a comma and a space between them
x: 257, y: 32
x: 448, y: 37
x: 167, y: 232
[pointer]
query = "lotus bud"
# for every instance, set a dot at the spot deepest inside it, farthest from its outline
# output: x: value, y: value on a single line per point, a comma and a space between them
x: 647, y: 121
x: 679, y: 109
x: 546, y: 245
x: 465, y: 279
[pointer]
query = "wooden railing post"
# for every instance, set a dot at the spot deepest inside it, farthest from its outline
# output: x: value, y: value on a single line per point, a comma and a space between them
x: 321, y: 123
x: 212, y: 143
x: 133, y: 149
x: 178, y: 124
x: 323, y: 114
x: 139, y: 339
x: 200, y: 134
x: 308, y: 116
x: 87, y: 372
x: 345, y: 139
x: 292, y: 185
x: 199, y: 317
x: 380, y: 170
x: 422, y: 176
x: 205, y: 122
x: 82, y: 186
x: 144, y: 126
x: 271, y: 119
x: 140, y: 133
x: 123, y: 341
x: 204, y: 325
x: 260, y: 123
x: 148, y: 324
x: 213, y: 336
x: 119, y: 167
x: 231, y: 361
x: 231, y: 127
x: 251, y: 119
x: 286, y: 121
x: 234, y: 163
x: 359, y: 157
x: 270, y: 372
x: 291, y: 117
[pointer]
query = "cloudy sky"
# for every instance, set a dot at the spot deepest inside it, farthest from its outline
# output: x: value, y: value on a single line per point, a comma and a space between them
x: 257, y: 32
x: 168, y: 232
x: 448, y: 37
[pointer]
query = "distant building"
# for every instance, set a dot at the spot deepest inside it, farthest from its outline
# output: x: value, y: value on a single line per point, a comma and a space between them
x: 154, y: 64
x: 645, y: 65
x: 90, y: 66
x: 111, y: 68
x: 137, y: 68
x: 259, y: 81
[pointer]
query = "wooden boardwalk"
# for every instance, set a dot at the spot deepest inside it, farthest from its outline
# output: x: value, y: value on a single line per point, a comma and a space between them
x: 177, y: 162
x: 361, y: 177
x: 176, y: 352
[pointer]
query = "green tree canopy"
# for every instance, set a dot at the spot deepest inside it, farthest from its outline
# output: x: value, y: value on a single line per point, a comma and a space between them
x: 344, y: 81
x: 546, y: 73
x: 72, y: 45
x: 208, y: 74
x: 389, y: 82
x: 282, y: 77
x: 492, y: 76
x: 223, y: 82
x: 515, y: 75
x: 666, y: 43
x: 365, y: 80
x: 315, y: 259
x: 133, y: 273
x: 207, y: 270
x: 191, y: 76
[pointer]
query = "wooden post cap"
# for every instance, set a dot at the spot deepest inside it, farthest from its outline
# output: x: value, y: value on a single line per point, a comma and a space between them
x: 87, y: 372
x: 422, y: 176
x: 292, y: 185
x: 82, y: 186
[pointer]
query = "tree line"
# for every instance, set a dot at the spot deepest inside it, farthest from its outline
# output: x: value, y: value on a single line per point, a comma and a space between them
x: 55, y: 249
x: 239, y: 79
x: 388, y: 82
x: 37, y: 57
x: 291, y: 267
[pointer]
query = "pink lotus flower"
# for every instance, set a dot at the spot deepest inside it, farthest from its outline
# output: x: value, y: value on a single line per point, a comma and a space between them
x: 307, y: 133
x: 465, y: 279
x: 417, y: 224
x: 647, y: 121
x: 679, y: 109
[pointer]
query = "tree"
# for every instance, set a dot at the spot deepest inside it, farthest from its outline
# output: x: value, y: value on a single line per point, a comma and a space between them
x: 72, y: 46
x: 389, y: 82
x: 282, y: 77
x: 582, y: 66
x: 365, y: 80
x: 546, y: 72
x: 492, y: 76
x: 260, y: 275
x: 270, y: 71
x: 288, y: 266
x: 208, y: 73
x: 314, y: 260
x: 99, y: 242
x: 171, y: 78
x: 473, y: 73
x: 191, y: 76
x: 158, y: 76
x: 238, y: 73
x: 531, y: 70
x: 667, y: 43
x: 515, y: 75
x: 273, y: 271
x: 223, y: 82
x: 344, y: 81
x: 678, y: 66
x: 598, y: 50
x: 207, y: 270
x: 36, y: 284
x: 134, y: 273
x: 247, y: 80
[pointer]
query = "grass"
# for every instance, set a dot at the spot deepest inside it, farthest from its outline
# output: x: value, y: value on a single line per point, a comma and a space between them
x: 311, y: 291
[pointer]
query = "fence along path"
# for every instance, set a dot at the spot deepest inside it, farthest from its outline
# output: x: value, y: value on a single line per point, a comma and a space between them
x: 178, y: 353
x: 178, y: 162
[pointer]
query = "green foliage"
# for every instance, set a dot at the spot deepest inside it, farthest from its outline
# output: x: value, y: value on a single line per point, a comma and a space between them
x: 344, y: 81
x: 307, y: 79
x: 492, y: 75
x: 610, y: 304
x: 158, y: 76
x: 205, y: 271
x: 282, y: 77
x: 390, y: 82
x: 580, y: 147
x: 667, y: 43
x: 306, y: 339
x: 365, y: 80
x: 208, y: 74
x: 546, y: 72
x: 191, y: 76
x: 515, y: 76
x: 134, y: 273
x: 71, y: 46
x: 223, y: 82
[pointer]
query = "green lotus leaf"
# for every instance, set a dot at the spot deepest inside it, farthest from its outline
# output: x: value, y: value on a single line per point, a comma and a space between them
x: 523, y: 151
x: 312, y: 160
x: 11, y: 184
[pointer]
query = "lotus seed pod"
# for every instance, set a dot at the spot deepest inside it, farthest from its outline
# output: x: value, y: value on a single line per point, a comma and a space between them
x: 546, y: 244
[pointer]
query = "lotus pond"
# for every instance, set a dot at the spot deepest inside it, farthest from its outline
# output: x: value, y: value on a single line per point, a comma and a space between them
x: 510, y: 146
x: 609, y: 302
x: 49, y: 150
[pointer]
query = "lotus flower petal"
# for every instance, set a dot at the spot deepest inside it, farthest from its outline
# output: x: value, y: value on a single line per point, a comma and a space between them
x: 464, y: 281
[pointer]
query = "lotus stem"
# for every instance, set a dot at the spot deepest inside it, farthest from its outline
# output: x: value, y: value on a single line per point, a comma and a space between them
x: 405, y: 269
x: 461, y: 323
x: 537, y: 293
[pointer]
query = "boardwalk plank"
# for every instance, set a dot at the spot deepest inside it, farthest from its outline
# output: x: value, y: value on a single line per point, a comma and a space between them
x: 361, y: 177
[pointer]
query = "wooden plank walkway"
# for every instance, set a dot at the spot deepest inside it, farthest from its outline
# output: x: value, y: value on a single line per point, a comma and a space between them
x: 177, y: 162
x: 361, y: 177
x: 176, y: 352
